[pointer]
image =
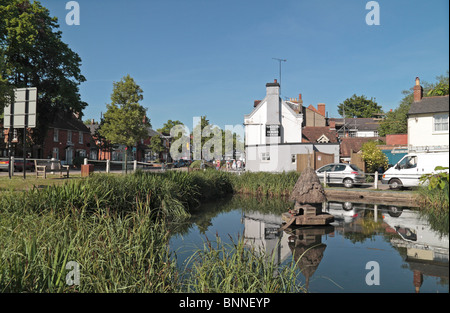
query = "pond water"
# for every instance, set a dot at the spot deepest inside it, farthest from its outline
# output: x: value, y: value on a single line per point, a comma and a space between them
x: 368, y: 248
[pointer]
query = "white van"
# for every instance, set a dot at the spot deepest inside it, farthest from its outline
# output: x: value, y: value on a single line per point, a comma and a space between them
x: 411, y: 167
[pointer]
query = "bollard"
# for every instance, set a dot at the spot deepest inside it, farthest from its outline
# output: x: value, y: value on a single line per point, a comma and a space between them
x: 375, y: 183
x: 12, y: 166
x: 108, y: 166
x: 135, y: 165
x: 324, y: 179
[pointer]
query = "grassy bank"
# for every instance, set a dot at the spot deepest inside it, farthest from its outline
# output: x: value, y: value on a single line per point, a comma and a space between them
x: 117, y: 229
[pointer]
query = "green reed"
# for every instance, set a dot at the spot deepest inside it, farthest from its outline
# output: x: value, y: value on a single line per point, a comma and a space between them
x: 117, y: 229
x: 236, y: 268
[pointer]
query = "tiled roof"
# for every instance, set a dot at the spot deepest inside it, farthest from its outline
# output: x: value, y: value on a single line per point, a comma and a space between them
x: 437, y: 104
x: 312, y: 134
x: 361, y: 124
x: 66, y: 120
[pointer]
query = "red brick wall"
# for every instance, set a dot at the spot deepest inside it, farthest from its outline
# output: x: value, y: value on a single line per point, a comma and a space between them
x: 399, y: 139
x: 49, y: 144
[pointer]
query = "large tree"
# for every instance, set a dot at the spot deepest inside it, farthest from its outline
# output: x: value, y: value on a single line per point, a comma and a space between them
x: 125, y: 121
x: 358, y: 106
x: 36, y: 56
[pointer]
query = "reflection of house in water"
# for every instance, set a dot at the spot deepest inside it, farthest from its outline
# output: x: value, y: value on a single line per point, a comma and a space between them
x: 304, y: 243
x: 261, y: 231
x: 427, y: 252
x: 307, y: 248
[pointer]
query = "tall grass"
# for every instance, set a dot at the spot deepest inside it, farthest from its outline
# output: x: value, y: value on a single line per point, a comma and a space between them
x: 265, y: 184
x: 116, y: 228
x: 115, y: 253
x: 235, y: 268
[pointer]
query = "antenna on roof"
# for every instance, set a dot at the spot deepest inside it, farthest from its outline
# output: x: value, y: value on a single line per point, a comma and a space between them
x: 279, y: 61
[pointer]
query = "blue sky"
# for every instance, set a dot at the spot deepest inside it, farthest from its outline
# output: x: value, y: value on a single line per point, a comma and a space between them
x: 213, y: 58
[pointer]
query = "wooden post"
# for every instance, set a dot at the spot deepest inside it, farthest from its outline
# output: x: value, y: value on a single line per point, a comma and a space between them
x: 325, y: 179
x: 108, y: 166
x: 135, y: 165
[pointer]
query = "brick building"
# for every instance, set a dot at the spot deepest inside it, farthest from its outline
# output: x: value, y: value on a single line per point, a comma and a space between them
x: 67, y: 138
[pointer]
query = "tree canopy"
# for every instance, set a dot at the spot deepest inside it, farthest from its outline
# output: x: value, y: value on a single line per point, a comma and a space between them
x: 358, y: 106
x: 34, y: 55
x: 125, y: 121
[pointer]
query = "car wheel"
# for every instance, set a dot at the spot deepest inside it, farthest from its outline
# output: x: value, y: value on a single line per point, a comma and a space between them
x: 395, y: 184
x: 348, y: 183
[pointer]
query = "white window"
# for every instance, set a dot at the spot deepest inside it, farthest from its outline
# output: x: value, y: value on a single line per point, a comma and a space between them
x: 80, y: 137
x: 55, y: 153
x: 69, y: 136
x: 56, y: 135
x: 265, y: 156
x: 441, y: 123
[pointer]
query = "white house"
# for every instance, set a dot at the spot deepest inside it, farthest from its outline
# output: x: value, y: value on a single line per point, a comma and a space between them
x: 273, y: 134
x: 428, y: 122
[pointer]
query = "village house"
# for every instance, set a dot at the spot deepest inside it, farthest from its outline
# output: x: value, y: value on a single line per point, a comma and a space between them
x: 428, y: 122
x: 273, y: 134
x: 67, y: 138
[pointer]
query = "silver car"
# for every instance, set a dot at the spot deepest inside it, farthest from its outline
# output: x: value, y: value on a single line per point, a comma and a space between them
x: 342, y: 173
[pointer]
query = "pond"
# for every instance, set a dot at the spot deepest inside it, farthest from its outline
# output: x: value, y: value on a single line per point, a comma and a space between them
x: 368, y: 248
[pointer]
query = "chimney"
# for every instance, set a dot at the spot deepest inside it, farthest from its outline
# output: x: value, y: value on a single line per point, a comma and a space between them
x: 321, y: 108
x: 273, y: 103
x: 418, y: 91
x: 256, y: 102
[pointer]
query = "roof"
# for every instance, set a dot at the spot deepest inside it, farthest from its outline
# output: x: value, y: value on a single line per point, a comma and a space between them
x: 312, y: 134
x: 67, y: 120
x: 361, y: 124
x: 354, y: 144
x: 437, y: 104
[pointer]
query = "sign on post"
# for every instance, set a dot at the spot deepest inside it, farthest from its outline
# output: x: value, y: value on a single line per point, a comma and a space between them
x: 21, y: 113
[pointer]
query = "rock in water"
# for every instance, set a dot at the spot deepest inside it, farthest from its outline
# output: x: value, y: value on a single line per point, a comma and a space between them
x: 308, y: 188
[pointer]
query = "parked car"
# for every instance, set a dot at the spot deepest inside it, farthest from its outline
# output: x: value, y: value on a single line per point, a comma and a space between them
x: 181, y: 163
x: 4, y: 165
x: 342, y: 173
x: 18, y: 165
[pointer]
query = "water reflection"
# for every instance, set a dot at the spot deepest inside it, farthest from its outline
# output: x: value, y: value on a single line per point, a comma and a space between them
x: 414, y: 256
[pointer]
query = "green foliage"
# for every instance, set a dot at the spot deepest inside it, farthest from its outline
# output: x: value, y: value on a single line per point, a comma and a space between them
x: 359, y: 106
x: 35, y: 56
x: 437, y: 191
x: 125, y: 120
x: 396, y: 122
x: 231, y: 268
x: 373, y: 157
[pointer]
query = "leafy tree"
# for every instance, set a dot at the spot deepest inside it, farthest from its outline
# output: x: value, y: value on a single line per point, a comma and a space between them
x: 157, y: 143
x: 358, y: 106
x: 34, y: 55
x: 441, y: 88
x: 125, y: 121
x: 373, y: 156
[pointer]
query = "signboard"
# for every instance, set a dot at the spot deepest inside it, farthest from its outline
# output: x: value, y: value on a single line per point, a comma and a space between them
x: 22, y: 112
x: 273, y: 131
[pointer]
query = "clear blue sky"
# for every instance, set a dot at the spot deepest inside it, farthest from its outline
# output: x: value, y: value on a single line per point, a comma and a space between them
x: 214, y: 57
